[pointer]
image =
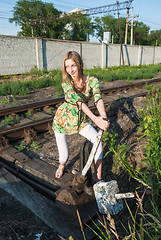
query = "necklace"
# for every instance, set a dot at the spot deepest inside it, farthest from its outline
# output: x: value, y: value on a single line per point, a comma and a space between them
x: 80, y: 85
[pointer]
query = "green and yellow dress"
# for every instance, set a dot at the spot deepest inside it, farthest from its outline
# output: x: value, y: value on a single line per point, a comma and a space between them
x: 68, y: 119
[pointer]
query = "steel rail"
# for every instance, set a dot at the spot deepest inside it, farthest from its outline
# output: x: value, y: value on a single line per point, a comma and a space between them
x: 54, y: 101
x: 127, y: 86
x: 44, y: 190
x: 33, y: 105
x: 27, y: 125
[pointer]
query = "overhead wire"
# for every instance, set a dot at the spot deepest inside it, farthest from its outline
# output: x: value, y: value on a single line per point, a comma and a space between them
x: 69, y: 5
x: 153, y: 2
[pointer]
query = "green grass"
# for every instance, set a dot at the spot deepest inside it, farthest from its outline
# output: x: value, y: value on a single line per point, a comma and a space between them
x: 125, y: 72
x: 11, y: 120
x: 41, y: 79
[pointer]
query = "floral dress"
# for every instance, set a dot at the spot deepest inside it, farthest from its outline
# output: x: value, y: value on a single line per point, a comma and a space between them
x: 69, y: 119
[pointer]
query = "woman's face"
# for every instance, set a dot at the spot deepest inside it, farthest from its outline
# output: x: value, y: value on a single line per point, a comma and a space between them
x: 71, y: 68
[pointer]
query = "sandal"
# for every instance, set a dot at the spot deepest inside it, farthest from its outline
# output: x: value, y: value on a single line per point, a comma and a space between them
x: 59, y: 172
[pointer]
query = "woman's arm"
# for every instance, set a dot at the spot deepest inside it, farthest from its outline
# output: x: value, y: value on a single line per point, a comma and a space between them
x: 98, y: 120
x: 101, y: 108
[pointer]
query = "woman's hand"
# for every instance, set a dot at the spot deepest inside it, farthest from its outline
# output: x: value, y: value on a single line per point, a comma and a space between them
x: 102, y: 122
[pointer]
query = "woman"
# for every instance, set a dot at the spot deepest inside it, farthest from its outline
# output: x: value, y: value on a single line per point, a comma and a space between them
x: 74, y: 115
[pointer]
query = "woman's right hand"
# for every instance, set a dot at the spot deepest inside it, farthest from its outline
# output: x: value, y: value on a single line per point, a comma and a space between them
x: 102, y: 123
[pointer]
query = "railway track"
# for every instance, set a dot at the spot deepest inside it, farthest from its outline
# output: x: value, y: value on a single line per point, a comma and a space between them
x: 55, y: 101
x: 42, y: 112
x: 39, y: 173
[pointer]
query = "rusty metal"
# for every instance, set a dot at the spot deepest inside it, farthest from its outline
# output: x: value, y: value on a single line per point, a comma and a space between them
x: 18, y: 132
x: 30, y: 135
x: 33, y: 105
x: 4, y: 143
x: 70, y: 202
x: 126, y: 87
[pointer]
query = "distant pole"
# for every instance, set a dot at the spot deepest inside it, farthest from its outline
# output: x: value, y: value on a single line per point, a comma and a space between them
x: 87, y: 37
x: 127, y: 19
x: 132, y: 24
x: 112, y: 39
x: 32, y: 31
x: 121, y: 49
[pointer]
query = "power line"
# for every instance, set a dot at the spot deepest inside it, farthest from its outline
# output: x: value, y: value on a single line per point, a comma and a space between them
x: 157, y: 24
x: 67, y: 4
x: 154, y: 2
x: 91, y: 11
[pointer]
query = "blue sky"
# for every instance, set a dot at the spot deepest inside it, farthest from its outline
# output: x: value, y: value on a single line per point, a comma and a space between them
x: 147, y: 11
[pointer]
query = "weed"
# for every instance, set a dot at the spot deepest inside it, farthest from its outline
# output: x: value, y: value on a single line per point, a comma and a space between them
x: 11, y: 120
x: 38, y: 118
x: 21, y: 147
x: 29, y: 113
x: 150, y: 126
x: 49, y: 111
x: 5, y: 100
x: 14, y: 102
x: 119, y: 153
x: 35, y: 145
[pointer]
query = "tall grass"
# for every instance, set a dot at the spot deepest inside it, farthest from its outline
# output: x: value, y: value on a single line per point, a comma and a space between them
x: 143, y: 221
x: 149, y: 127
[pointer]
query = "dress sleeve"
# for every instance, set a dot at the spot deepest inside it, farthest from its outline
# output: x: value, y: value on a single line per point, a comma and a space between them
x: 95, y: 85
x: 70, y: 94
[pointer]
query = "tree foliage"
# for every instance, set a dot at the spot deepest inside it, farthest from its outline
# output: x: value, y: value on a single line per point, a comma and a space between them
x: 111, y: 24
x: 53, y: 24
x: 78, y: 27
x: 25, y: 12
x: 141, y: 34
x: 155, y: 37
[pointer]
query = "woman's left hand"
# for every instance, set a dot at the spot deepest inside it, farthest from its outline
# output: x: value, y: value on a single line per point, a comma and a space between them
x: 102, y: 123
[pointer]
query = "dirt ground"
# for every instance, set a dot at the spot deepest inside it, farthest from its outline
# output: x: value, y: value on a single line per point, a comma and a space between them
x: 17, y: 222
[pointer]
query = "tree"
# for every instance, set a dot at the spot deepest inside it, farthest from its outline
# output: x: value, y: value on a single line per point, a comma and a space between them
x: 78, y: 27
x: 49, y: 22
x: 26, y: 12
x: 110, y: 23
x: 141, y: 32
x: 155, y: 37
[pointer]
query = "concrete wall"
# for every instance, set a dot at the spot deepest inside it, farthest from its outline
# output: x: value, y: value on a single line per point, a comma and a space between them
x: 19, y: 54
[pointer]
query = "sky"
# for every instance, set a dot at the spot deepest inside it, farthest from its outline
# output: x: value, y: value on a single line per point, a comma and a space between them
x: 146, y: 11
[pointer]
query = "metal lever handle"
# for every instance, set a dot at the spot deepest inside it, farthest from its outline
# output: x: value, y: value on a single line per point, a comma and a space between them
x: 92, y: 153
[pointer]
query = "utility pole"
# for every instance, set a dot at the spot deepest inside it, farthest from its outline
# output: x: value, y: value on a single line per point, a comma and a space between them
x: 32, y: 31
x: 121, y: 49
x: 127, y: 19
x: 132, y: 22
